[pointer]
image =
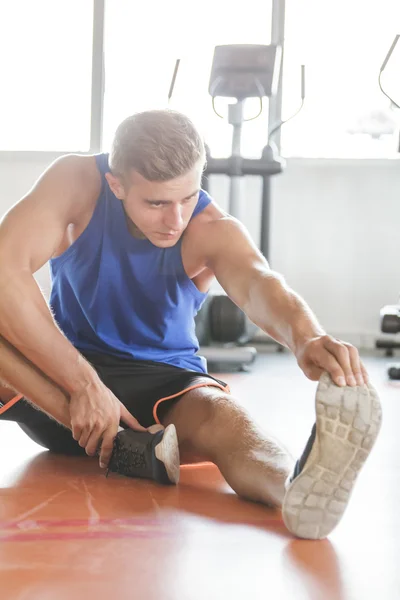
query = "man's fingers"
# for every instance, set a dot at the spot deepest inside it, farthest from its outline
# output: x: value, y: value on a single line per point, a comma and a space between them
x: 340, y: 359
x: 107, y: 447
x: 342, y: 355
x: 77, y: 429
x: 94, y: 441
x: 327, y: 362
x: 365, y: 373
x: 85, y: 435
x: 130, y: 420
x: 355, y: 362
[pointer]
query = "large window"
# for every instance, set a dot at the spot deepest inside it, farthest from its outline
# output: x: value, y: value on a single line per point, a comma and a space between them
x: 45, y: 69
x: 46, y: 72
x: 342, y: 43
x: 141, y: 47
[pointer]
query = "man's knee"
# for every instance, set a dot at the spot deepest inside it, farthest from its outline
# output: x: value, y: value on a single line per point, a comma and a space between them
x: 206, y: 418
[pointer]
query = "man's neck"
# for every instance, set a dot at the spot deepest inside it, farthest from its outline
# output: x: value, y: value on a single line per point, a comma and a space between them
x: 133, y: 229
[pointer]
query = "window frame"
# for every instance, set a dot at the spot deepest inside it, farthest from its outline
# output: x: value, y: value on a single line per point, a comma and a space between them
x: 98, y: 88
x: 96, y: 103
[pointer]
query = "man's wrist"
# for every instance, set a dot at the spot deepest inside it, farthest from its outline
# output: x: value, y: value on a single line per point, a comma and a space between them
x: 84, y: 376
x: 301, y: 338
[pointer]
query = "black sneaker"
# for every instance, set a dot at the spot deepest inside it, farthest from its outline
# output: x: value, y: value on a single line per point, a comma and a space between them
x: 149, y: 455
x: 318, y: 492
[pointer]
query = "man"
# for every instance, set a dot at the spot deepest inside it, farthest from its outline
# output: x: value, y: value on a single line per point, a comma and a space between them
x: 134, y: 244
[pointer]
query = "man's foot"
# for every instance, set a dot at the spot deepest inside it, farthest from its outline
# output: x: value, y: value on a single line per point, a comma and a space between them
x: 347, y: 425
x: 149, y: 455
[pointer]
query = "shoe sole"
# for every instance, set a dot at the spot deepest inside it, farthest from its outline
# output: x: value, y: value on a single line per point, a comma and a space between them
x: 348, y: 422
x: 167, y: 451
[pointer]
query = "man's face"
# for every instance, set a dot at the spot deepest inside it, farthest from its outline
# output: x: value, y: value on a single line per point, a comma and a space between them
x: 160, y: 211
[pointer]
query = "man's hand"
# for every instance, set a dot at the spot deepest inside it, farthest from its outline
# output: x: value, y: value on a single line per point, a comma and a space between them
x: 95, y: 416
x: 340, y: 359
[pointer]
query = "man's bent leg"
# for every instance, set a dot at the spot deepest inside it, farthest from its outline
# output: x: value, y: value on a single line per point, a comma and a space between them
x: 212, y: 426
x: 50, y: 426
x: 20, y: 376
x: 6, y: 393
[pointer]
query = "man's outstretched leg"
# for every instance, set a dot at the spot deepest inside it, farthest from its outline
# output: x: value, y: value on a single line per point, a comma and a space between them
x: 315, y: 492
x: 212, y: 426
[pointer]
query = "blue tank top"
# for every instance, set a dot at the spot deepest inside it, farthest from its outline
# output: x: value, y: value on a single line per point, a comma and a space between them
x: 119, y: 295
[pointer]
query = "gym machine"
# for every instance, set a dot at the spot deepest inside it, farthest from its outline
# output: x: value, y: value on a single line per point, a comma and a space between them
x: 239, y: 71
x: 390, y: 323
x: 390, y: 314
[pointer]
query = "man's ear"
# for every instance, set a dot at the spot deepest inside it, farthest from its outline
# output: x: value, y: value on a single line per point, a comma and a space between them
x: 116, y: 186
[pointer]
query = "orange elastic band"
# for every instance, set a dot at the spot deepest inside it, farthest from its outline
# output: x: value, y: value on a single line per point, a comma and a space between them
x: 11, y: 403
x: 193, y: 387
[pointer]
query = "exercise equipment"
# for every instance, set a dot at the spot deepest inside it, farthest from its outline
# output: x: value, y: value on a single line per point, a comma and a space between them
x: 241, y: 71
x: 390, y: 318
x: 390, y: 314
x: 390, y: 323
x: 238, y: 72
x: 222, y: 329
x: 383, y: 67
x: 225, y: 322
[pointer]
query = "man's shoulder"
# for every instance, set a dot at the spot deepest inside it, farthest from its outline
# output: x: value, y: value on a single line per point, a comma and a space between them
x: 78, y: 165
x: 212, y: 213
x: 84, y: 167
x: 82, y: 172
x: 213, y: 230
x: 213, y: 221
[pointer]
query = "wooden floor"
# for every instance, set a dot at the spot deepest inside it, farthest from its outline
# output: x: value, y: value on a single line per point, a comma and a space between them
x: 68, y: 533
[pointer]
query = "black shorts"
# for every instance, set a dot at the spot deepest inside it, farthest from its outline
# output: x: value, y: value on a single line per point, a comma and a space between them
x: 146, y: 388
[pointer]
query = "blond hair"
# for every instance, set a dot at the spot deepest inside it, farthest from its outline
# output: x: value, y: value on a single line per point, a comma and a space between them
x: 158, y: 144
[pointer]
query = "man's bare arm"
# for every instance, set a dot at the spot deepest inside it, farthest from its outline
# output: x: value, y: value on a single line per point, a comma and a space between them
x: 271, y: 304
x: 261, y: 293
x: 30, y: 234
